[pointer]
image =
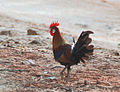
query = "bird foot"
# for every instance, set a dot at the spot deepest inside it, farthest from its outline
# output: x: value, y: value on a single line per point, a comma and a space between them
x: 66, y: 79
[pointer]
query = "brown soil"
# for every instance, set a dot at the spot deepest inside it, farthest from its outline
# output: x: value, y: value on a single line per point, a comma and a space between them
x: 100, y: 74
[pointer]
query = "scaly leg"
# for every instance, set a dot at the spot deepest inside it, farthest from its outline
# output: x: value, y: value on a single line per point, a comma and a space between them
x: 61, y: 73
x: 68, y: 73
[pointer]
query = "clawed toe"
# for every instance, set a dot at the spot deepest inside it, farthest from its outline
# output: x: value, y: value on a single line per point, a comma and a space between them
x: 66, y: 79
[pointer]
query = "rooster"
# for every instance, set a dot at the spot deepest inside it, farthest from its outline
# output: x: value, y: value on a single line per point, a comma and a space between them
x: 67, y: 54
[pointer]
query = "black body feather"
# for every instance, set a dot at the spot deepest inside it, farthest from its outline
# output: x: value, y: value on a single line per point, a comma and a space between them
x: 82, y: 48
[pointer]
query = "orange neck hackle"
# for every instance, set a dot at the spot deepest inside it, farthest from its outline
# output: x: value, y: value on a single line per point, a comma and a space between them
x: 58, y: 39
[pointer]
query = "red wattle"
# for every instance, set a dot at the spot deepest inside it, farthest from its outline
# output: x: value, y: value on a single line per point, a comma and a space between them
x: 51, y: 33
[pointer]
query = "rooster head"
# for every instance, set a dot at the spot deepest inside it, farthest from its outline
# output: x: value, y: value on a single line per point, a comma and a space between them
x: 53, y: 28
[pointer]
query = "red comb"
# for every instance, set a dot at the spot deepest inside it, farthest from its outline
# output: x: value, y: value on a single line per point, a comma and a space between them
x: 54, y: 24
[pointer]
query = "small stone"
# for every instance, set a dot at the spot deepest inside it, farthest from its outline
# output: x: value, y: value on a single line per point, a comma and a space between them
x: 31, y: 61
x: 116, y: 53
x: 32, y: 32
x: 45, y: 72
x: 35, y: 42
x: 28, y: 62
x: 97, y: 82
x: 86, y: 82
x: 52, y: 78
x: 5, y: 33
x: 16, y: 42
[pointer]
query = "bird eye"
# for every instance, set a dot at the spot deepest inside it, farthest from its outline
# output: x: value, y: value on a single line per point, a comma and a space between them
x: 53, y: 31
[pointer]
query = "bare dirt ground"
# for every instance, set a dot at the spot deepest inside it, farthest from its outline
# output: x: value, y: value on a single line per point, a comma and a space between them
x: 27, y: 64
